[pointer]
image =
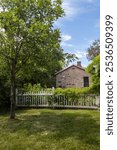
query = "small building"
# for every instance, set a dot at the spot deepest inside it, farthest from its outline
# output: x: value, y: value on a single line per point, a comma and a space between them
x: 72, y: 76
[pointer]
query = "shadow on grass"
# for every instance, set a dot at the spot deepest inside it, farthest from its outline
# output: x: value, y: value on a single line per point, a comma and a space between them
x: 79, y: 126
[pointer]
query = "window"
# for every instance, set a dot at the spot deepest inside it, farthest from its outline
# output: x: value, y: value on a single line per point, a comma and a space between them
x: 86, y: 81
x: 60, y: 86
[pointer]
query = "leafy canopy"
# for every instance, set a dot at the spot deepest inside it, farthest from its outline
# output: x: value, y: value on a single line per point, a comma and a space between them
x: 94, y: 70
x: 93, y: 50
x: 27, y: 36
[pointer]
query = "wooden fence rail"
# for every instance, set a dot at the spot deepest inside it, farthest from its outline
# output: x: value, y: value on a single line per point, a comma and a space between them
x: 48, y: 99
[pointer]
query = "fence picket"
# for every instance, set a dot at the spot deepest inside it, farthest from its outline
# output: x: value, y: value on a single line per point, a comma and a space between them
x: 41, y: 99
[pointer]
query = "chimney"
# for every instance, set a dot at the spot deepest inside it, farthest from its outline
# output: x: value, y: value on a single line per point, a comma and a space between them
x: 79, y: 63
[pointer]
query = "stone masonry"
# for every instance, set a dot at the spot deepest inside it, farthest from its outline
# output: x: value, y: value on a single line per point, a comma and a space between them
x: 73, y: 76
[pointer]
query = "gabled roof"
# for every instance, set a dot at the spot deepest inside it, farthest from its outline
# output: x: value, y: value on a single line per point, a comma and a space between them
x: 79, y: 67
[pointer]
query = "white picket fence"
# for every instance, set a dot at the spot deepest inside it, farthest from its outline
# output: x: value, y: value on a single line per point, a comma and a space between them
x: 48, y: 99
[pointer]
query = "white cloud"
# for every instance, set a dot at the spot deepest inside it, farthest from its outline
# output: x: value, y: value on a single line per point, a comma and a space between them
x: 66, y: 37
x: 81, y: 54
x: 71, y: 10
x: 74, y: 8
x: 66, y: 44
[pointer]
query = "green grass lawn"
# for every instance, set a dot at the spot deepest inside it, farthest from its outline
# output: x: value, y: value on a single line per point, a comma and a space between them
x: 45, y: 129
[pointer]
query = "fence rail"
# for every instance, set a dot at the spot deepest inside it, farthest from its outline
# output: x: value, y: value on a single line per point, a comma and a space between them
x: 48, y: 99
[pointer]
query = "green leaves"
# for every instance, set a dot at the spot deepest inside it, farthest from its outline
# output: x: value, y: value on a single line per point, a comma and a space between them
x: 94, y: 70
x: 29, y: 40
x: 69, y: 58
x: 29, y: 22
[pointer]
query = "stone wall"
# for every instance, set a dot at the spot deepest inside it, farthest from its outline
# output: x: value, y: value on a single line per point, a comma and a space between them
x: 71, y: 77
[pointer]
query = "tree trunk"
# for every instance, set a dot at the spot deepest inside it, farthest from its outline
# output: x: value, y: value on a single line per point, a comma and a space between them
x: 13, y: 91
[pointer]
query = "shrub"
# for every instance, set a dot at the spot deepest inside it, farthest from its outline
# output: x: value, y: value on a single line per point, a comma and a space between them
x: 67, y: 91
x: 32, y: 88
x: 75, y: 93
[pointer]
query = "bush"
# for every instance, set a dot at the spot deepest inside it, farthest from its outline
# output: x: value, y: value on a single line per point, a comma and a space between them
x: 34, y: 88
x: 75, y: 93
x: 67, y: 91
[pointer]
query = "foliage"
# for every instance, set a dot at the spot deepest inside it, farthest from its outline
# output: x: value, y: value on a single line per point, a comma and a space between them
x: 93, y: 50
x: 35, y: 88
x: 32, y: 88
x: 75, y: 93
x: 45, y: 129
x: 27, y: 38
x: 45, y: 75
x: 94, y: 70
x: 67, y: 91
x: 69, y: 58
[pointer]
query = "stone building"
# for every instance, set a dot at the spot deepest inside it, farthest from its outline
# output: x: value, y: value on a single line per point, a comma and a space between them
x: 72, y: 76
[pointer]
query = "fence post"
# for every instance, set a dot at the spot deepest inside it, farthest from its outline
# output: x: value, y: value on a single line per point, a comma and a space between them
x: 98, y: 100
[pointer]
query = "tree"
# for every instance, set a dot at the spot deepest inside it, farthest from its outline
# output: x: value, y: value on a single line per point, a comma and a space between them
x: 94, y: 69
x: 93, y: 50
x: 27, y: 34
x: 43, y: 72
x: 69, y: 58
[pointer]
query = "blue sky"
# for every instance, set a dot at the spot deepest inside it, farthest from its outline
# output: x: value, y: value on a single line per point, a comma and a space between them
x: 80, y: 27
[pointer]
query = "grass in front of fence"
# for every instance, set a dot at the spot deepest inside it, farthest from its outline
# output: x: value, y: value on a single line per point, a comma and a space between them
x: 44, y: 129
